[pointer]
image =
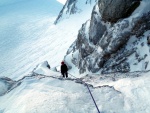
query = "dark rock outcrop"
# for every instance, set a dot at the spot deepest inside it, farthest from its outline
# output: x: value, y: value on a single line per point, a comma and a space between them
x: 6, y: 84
x: 113, y: 10
x: 83, y: 44
x: 97, y: 28
x: 141, y: 25
x: 115, y: 37
x: 70, y: 8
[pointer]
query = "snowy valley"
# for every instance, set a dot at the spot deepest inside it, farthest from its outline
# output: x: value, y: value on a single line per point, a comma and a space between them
x: 105, y: 44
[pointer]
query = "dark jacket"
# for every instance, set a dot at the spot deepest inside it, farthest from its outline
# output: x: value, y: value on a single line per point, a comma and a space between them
x: 64, y: 68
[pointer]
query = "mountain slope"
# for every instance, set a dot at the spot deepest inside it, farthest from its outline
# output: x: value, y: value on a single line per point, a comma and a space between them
x: 28, y: 36
x: 75, y: 7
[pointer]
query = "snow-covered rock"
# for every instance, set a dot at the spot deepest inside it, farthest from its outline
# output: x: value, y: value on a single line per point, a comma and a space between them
x: 42, y: 68
x: 97, y: 27
x: 113, y: 10
x: 72, y: 7
x: 5, y: 85
x: 104, y: 46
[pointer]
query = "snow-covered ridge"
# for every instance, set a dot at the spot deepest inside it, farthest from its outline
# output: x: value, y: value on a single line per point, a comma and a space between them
x: 5, y: 85
x: 73, y: 7
x: 49, y: 92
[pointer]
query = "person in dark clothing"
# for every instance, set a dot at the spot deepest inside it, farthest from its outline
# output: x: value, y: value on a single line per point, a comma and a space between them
x: 64, y: 69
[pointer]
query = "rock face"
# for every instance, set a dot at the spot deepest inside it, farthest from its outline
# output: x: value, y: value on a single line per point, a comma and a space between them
x: 111, y: 40
x: 141, y: 25
x: 113, y: 10
x: 97, y: 29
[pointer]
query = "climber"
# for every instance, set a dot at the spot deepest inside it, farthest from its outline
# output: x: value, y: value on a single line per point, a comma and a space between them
x: 64, y: 69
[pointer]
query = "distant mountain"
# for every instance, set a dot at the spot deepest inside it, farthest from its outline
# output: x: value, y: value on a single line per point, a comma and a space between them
x: 72, y: 7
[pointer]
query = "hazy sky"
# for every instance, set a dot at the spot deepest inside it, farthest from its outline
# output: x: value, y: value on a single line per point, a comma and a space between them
x: 62, y: 1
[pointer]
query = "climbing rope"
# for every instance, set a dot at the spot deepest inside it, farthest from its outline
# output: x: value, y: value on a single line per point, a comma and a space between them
x: 89, y: 92
x: 35, y: 74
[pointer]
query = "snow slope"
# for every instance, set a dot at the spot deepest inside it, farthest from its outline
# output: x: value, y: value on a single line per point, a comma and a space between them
x: 21, y: 24
x: 51, y: 93
x: 45, y: 95
x: 134, y: 87
x: 28, y: 36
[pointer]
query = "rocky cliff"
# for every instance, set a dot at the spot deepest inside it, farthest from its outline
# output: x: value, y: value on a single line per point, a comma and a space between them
x: 115, y: 39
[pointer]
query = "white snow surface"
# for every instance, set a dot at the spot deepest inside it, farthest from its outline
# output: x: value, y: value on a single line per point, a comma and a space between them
x: 81, y: 7
x: 112, y: 93
x: 142, y: 51
x: 27, y: 38
x: 62, y: 1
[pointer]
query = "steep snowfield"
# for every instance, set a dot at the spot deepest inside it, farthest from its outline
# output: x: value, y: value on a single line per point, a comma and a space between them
x: 22, y: 25
x: 28, y: 36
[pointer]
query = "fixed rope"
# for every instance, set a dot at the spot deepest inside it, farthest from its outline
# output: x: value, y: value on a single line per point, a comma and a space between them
x: 81, y: 82
x: 89, y: 92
